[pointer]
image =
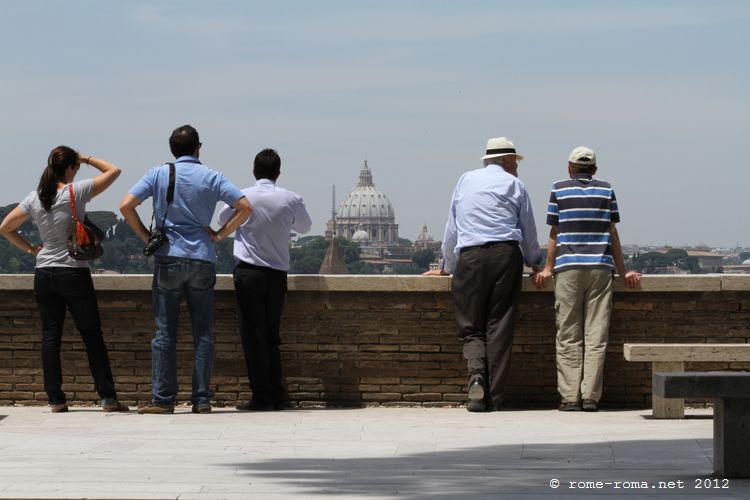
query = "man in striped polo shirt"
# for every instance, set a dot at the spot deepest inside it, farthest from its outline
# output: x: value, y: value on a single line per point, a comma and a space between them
x: 583, y: 251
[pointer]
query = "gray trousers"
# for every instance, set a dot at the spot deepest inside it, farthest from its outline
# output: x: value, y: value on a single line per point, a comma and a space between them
x: 485, y: 290
x: 583, y: 306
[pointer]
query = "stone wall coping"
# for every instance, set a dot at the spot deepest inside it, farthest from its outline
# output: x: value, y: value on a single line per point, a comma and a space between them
x: 686, y: 352
x: 403, y: 283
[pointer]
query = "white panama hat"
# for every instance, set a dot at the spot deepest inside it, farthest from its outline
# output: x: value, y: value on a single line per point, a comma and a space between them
x: 583, y: 156
x: 500, y: 146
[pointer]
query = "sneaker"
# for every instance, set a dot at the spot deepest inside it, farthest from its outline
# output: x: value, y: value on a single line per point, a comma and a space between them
x: 590, y: 405
x: 570, y: 406
x: 157, y: 409
x: 111, y: 404
x: 58, y: 408
x: 201, y: 408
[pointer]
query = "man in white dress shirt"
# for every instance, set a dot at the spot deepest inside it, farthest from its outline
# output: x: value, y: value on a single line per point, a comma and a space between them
x: 490, y: 232
x: 261, y: 247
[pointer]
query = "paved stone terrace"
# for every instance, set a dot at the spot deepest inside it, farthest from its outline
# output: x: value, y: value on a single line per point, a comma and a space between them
x: 375, y: 453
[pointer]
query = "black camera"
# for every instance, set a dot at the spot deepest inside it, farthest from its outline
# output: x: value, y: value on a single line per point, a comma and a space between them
x: 155, y: 241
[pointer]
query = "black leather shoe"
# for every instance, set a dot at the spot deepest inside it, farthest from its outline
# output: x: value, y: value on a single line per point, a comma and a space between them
x: 476, y: 396
x: 476, y: 406
x: 254, y: 405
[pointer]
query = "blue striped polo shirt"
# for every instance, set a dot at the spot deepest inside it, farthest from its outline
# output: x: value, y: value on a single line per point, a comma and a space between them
x: 583, y: 208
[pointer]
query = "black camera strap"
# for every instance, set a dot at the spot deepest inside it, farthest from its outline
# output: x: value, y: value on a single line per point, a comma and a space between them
x: 170, y: 197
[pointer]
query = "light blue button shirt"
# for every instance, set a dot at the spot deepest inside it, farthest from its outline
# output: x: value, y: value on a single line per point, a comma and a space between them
x: 263, y: 240
x: 197, y: 190
x: 489, y: 204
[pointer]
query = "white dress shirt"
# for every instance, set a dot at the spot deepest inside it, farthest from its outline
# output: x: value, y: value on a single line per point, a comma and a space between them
x: 263, y: 240
x: 489, y: 204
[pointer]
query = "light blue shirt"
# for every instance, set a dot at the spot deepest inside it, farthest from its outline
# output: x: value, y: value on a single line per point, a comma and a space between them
x: 263, y: 240
x: 489, y: 204
x: 197, y: 190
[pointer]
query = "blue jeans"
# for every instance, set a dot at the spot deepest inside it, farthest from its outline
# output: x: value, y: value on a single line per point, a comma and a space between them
x: 195, y: 279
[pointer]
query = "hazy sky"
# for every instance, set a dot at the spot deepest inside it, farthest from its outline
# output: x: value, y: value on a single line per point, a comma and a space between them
x: 660, y: 90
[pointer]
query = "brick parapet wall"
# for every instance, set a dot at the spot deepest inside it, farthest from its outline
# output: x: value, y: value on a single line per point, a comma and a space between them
x: 376, y: 340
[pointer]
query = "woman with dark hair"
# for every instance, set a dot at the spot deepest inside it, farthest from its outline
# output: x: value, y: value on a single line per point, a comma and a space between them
x: 61, y: 282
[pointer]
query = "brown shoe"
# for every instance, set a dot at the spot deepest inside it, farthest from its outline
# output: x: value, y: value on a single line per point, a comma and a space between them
x: 157, y: 409
x: 58, y: 408
x: 113, y: 405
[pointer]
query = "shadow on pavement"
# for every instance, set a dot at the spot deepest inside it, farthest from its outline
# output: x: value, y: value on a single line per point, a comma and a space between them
x: 510, y: 471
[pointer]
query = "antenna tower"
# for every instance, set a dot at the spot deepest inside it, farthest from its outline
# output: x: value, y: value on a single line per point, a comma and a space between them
x: 333, y: 209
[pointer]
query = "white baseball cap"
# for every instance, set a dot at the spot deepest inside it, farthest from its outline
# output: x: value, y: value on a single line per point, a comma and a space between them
x: 583, y: 156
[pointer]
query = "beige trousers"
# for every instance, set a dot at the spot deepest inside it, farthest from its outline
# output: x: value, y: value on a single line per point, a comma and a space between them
x: 583, y: 305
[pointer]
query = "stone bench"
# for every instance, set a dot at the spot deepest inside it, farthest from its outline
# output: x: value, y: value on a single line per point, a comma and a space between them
x: 672, y: 358
x: 731, y: 392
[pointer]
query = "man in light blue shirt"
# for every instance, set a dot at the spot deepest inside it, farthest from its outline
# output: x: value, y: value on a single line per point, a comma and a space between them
x: 490, y: 232
x: 261, y: 247
x: 185, y: 264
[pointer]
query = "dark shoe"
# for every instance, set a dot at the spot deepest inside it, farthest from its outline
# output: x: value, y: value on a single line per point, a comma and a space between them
x: 590, y: 405
x: 569, y: 406
x: 58, y: 407
x: 476, y: 406
x: 113, y: 405
x: 492, y: 405
x: 476, y: 396
x: 157, y: 409
x: 257, y: 406
x: 201, y: 408
x: 476, y: 389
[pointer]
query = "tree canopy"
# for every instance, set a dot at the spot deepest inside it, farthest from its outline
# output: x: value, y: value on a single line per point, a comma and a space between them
x: 307, y: 255
x: 123, y: 250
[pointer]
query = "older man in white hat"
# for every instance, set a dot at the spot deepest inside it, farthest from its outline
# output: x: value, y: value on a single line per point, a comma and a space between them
x: 490, y: 231
x: 583, y: 251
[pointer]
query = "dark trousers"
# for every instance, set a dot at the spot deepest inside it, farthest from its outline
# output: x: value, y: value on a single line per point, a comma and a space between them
x: 485, y: 289
x: 58, y: 288
x: 260, y: 293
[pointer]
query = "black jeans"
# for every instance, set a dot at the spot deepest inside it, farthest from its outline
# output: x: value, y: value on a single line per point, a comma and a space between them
x: 260, y: 295
x: 56, y: 288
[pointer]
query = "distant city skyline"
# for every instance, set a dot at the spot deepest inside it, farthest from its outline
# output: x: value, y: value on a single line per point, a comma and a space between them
x: 658, y: 90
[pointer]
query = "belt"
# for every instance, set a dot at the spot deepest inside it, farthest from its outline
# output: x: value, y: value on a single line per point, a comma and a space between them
x: 490, y: 244
x: 246, y: 265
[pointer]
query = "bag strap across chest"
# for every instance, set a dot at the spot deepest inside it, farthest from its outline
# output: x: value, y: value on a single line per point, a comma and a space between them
x: 170, y: 192
x: 170, y: 198
x: 72, y: 202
